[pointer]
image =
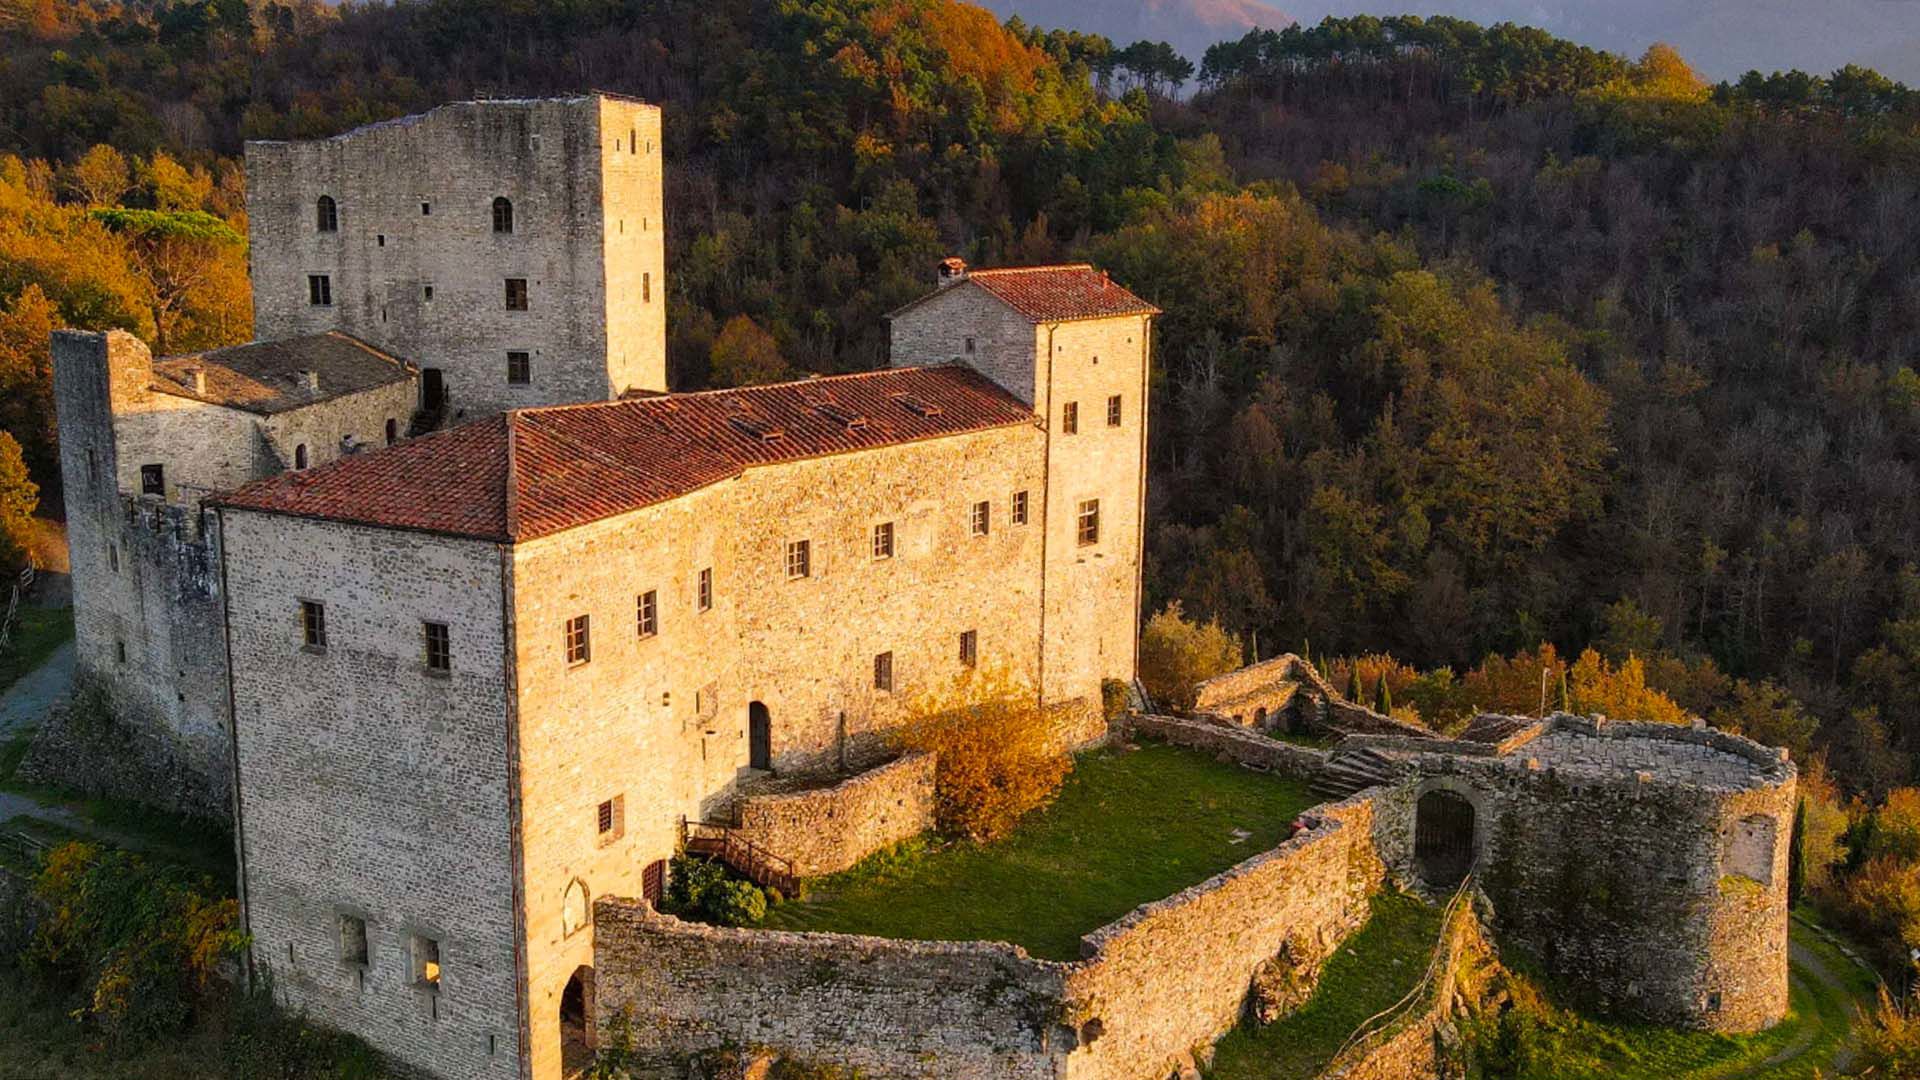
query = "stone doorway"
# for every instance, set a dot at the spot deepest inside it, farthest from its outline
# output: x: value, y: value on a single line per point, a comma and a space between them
x: 433, y: 389
x: 1443, y: 838
x: 759, y: 737
x: 577, y: 1023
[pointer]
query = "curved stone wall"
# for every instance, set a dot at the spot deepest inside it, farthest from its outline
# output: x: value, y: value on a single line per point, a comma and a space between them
x: 827, y: 829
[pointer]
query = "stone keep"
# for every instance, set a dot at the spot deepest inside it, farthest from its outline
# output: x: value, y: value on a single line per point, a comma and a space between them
x: 470, y: 232
x: 647, y: 601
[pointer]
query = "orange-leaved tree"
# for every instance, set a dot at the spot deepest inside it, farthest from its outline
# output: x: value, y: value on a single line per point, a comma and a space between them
x: 999, y: 756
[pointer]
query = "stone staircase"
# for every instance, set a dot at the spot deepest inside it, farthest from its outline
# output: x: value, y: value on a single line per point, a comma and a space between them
x: 1349, y: 771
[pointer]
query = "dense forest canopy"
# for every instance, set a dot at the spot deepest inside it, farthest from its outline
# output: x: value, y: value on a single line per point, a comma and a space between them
x: 1478, y: 342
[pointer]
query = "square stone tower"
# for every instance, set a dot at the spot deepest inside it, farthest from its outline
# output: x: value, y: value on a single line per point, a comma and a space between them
x: 513, y: 249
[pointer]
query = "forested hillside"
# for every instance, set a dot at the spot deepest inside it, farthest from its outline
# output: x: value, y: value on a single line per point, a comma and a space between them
x: 1477, y: 340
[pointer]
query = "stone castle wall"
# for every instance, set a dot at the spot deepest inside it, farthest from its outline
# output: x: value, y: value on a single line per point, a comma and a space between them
x: 1245, y: 747
x: 1169, y: 976
x: 826, y: 830
x: 414, y: 201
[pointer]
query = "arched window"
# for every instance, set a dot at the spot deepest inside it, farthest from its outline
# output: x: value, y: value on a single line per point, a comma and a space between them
x: 326, y: 215
x: 393, y: 431
x: 575, y: 911
x: 300, y: 456
x: 503, y: 215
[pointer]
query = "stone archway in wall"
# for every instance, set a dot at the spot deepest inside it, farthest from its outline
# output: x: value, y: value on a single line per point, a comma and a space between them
x: 759, y: 736
x: 577, y: 1034
x: 1445, y: 839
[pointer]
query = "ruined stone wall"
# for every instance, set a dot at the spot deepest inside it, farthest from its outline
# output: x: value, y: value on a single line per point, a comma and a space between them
x: 898, y: 1009
x: 371, y: 786
x: 1659, y: 895
x: 829, y: 829
x: 1423, y: 1040
x: 1170, y: 976
x: 414, y: 201
x: 1242, y: 746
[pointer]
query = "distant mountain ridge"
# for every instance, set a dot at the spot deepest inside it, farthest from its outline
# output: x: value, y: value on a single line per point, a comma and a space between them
x: 1189, y: 25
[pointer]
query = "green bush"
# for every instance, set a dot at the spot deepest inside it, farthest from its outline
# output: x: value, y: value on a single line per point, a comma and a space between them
x: 704, y: 890
x: 1113, y: 698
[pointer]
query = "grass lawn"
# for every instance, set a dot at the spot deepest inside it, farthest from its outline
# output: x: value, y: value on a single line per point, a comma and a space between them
x: 35, y: 636
x: 1369, y: 972
x: 1130, y: 827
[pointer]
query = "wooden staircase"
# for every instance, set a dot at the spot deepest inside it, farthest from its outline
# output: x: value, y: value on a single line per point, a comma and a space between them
x: 1350, y: 771
x: 757, y: 864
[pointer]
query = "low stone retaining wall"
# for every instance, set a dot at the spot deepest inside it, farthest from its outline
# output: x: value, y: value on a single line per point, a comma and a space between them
x: 1151, y: 987
x: 1243, y: 746
x: 829, y: 829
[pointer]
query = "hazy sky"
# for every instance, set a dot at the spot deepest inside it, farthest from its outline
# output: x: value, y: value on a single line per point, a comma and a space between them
x: 1722, y: 37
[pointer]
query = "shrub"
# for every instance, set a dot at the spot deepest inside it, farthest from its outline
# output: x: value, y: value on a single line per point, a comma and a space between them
x: 998, y: 758
x: 705, y: 891
x: 1113, y: 699
x: 1176, y: 654
x: 141, y: 945
x: 1507, y: 1048
x: 1890, y: 1045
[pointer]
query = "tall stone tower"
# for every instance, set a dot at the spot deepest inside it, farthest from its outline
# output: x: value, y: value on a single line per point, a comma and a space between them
x: 514, y: 250
x: 1076, y: 346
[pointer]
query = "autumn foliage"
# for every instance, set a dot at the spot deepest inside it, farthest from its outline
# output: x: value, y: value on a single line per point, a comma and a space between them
x: 1178, y: 653
x: 999, y: 756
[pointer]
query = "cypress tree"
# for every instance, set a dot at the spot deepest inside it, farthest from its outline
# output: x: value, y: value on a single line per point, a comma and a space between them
x: 1797, y: 855
x: 1353, y: 684
x: 1566, y: 695
x: 1383, y: 697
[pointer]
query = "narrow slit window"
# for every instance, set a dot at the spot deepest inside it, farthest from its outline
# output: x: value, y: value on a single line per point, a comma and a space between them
x: 579, y: 642
x: 393, y: 431
x: 969, y: 648
x: 704, y: 590
x: 883, y: 672
x: 646, y: 288
x: 300, y: 456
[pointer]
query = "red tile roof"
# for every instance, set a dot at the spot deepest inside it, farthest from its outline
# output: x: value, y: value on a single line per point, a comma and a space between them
x: 1056, y: 293
x: 535, y: 472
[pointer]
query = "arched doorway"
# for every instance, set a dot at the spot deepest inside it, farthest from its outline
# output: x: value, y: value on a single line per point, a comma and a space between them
x: 1443, y: 838
x: 577, y: 1022
x: 759, y: 736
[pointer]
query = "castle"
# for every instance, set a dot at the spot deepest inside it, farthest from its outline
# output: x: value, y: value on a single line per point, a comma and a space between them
x: 469, y: 625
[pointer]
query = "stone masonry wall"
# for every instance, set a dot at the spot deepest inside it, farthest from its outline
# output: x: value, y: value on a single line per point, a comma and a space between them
x: 827, y: 830
x: 1421, y: 1042
x: 1168, y: 977
x: 1240, y: 745
x: 897, y: 1009
x: 414, y: 200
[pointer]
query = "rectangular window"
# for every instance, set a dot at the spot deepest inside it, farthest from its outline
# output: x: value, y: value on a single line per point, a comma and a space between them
x: 883, y: 540
x: 1070, y: 418
x: 646, y: 613
x: 653, y: 882
x: 1089, y: 525
x: 353, y: 940
x: 439, y: 646
x: 982, y: 518
x: 646, y: 288
x: 883, y: 672
x: 1019, y: 508
x: 1113, y: 411
x: 426, y: 962
x: 969, y: 648
x: 704, y: 593
x: 519, y: 368
x: 313, y: 624
x: 516, y: 294
x: 579, y: 647
x: 610, y: 819
x: 113, y: 557
x: 319, y: 290
x: 426, y: 208
x: 799, y: 559
x: 426, y: 292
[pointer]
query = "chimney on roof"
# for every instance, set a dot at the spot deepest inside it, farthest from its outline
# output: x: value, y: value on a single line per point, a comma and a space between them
x: 952, y: 272
x: 197, y: 378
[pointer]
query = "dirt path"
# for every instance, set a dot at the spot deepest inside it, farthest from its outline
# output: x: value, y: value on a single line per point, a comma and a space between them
x: 27, y: 700
x: 1809, y: 966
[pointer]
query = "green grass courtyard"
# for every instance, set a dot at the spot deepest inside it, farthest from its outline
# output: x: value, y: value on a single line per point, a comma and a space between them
x: 1130, y: 827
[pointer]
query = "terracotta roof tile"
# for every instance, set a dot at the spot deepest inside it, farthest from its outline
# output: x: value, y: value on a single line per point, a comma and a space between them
x: 535, y: 472
x: 1056, y: 293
